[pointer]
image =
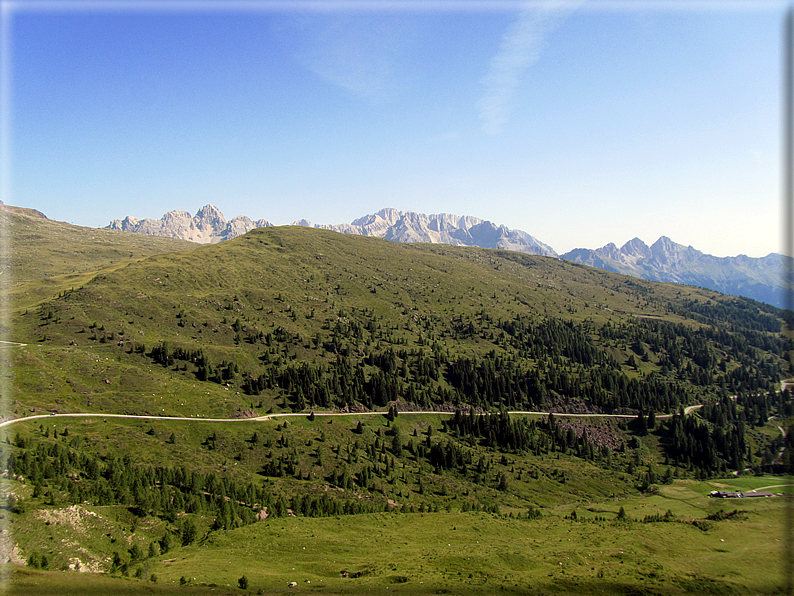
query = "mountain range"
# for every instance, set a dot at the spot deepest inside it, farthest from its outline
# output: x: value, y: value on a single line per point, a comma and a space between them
x: 208, y: 226
x: 665, y: 260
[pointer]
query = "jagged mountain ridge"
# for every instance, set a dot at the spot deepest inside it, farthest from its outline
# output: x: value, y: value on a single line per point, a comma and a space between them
x: 665, y: 260
x: 208, y: 226
x: 440, y: 228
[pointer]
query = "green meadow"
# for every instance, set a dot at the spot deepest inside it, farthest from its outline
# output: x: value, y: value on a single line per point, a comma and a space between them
x: 475, y: 553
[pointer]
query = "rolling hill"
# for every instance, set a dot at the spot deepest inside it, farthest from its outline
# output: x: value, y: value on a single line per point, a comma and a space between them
x: 441, y: 341
x: 44, y: 256
x: 290, y: 313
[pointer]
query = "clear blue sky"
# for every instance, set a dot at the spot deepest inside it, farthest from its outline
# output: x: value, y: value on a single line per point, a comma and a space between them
x: 580, y: 123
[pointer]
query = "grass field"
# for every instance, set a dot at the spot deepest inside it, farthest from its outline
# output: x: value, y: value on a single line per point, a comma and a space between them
x: 477, y: 553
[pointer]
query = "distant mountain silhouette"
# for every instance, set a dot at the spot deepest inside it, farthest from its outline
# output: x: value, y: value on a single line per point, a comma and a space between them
x: 665, y: 260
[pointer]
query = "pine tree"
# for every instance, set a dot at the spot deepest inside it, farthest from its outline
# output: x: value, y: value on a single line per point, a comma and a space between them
x: 397, y: 443
x: 502, y: 486
x: 642, y: 425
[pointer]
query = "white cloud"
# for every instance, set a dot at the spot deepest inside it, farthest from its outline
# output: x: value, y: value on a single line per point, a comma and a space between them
x: 355, y: 52
x: 522, y: 45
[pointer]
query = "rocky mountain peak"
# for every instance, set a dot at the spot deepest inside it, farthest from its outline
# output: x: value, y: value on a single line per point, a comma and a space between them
x: 667, y: 251
x: 444, y: 228
x: 389, y: 215
x: 636, y: 248
x: 609, y: 250
x: 209, y: 217
x: 666, y: 260
x: 206, y: 227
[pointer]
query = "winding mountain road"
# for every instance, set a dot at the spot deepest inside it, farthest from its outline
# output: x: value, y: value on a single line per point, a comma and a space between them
x: 688, y: 410
x: 286, y: 414
x: 11, y: 344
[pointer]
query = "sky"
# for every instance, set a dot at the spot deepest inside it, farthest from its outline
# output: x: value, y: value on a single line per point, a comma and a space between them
x: 581, y: 123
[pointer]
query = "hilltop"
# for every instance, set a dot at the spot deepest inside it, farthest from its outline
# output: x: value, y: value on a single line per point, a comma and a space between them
x: 44, y: 256
x: 43, y: 248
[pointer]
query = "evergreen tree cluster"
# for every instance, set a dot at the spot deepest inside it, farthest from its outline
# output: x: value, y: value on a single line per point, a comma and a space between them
x: 159, y: 491
x: 708, y: 448
x: 501, y: 432
x: 533, y: 360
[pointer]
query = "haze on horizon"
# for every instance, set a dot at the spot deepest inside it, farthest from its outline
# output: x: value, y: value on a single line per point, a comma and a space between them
x: 581, y: 123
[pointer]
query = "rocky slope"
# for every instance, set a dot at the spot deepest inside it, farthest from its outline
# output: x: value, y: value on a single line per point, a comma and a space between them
x: 665, y: 260
x: 208, y: 226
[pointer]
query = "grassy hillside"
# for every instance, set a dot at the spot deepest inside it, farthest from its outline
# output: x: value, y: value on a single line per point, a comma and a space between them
x: 472, y: 553
x: 289, y: 320
x: 298, y: 318
x: 44, y: 257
